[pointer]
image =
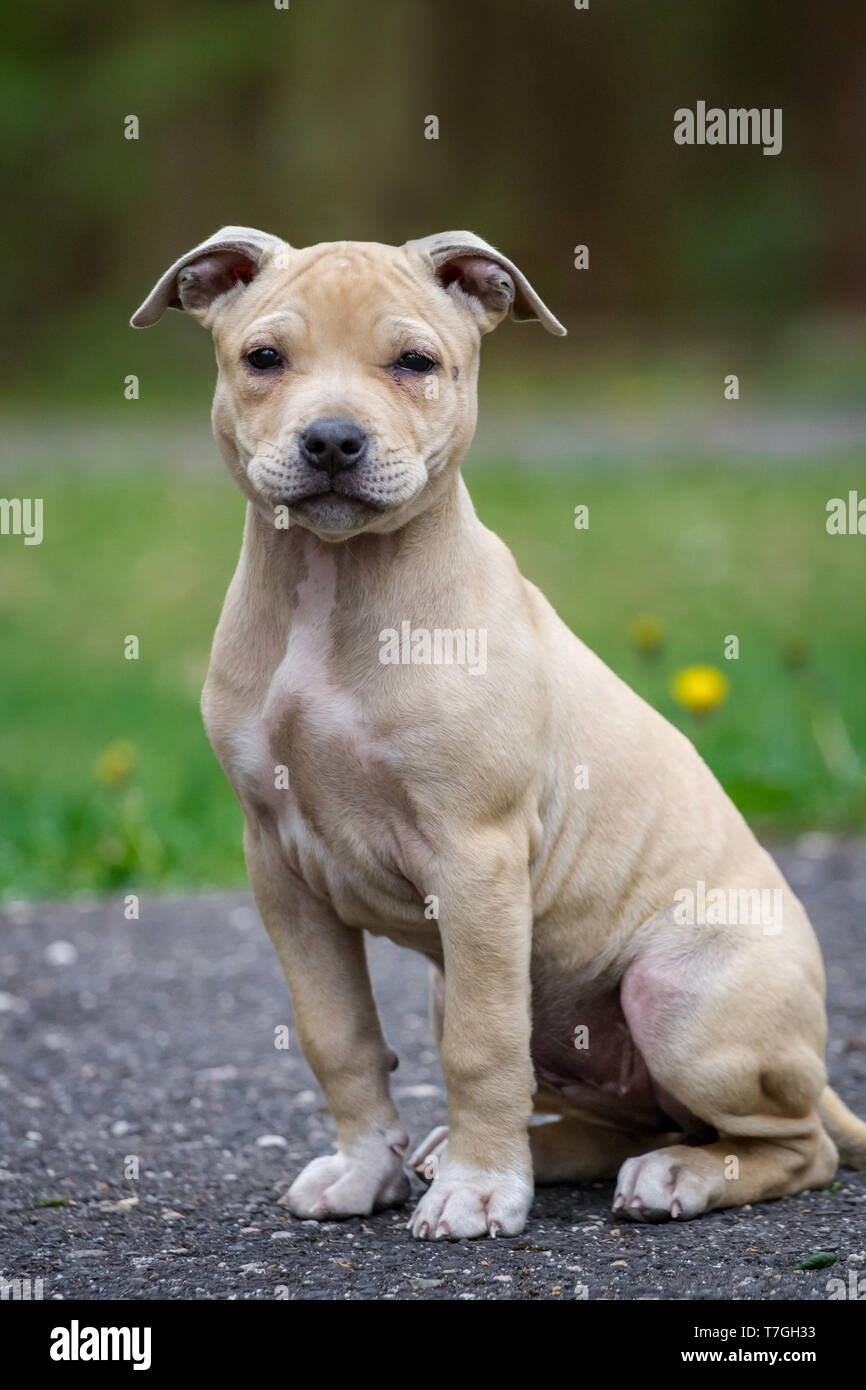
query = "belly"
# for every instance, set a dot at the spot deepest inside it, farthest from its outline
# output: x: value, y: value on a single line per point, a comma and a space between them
x: 585, y: 1053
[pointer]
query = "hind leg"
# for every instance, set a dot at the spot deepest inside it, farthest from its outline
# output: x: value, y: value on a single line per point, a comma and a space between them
x: 733, y: 1028
x: 572, y: 1148
x: 680, y: 1182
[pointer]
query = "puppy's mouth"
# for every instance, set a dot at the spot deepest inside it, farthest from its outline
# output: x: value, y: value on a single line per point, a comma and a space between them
x: 340, y: 499
x: 294, y: 483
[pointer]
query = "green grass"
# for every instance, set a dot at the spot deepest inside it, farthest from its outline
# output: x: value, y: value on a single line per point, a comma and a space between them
x: 709, y: 550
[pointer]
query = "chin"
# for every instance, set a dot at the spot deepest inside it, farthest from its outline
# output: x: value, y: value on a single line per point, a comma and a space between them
x: 334, y: 516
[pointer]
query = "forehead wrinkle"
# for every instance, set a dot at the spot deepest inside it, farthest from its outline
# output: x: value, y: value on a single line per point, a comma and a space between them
x: 402, y: 321
x: 337, y: 251
x: 358, y: 257
x: 281, y: 316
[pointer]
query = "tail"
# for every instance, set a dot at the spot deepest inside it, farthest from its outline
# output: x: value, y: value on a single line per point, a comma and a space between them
x: 847, y: 1132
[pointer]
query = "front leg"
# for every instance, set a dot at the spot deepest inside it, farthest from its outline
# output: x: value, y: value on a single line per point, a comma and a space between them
x: 483, y: 1182
x: 340, y: 1035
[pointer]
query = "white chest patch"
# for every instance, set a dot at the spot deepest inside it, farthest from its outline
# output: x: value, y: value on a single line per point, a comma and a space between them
x: 304, y: 673
x: 304, y: 676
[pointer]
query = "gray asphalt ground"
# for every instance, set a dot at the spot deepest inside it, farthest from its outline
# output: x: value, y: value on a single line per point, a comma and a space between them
x: 154, y: 1040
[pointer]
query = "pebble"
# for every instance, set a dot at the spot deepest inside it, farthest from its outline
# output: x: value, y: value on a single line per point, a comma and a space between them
x: 61, y: 953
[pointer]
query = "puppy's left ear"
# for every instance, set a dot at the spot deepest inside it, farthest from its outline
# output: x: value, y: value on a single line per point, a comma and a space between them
x: 482, y: 280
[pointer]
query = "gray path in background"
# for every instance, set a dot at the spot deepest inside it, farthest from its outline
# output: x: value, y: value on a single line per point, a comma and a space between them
x: 155, y: 1038
x: 556, y: 439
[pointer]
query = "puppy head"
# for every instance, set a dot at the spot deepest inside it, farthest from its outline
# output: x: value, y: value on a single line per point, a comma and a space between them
x: 348, y: 370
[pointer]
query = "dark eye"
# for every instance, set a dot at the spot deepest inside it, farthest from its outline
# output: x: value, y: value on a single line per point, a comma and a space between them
x: 264, y: 359
x: 416, y: 362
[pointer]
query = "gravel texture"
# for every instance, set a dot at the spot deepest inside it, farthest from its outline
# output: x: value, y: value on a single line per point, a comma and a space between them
x: 153, y: 1041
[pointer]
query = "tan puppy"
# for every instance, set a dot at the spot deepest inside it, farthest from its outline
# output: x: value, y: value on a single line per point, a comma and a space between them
x: 422, y: 749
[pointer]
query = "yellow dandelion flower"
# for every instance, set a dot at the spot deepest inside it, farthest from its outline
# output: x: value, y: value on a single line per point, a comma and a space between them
x: 646, y: 632
x: 700, y: 688
x: 115, y: 764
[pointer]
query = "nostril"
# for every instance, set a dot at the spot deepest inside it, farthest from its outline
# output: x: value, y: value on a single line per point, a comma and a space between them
x: 316, y: 444
x: 350, y: 446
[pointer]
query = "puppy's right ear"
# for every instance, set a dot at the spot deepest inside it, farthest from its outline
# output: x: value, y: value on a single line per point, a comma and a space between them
x: 228, y: 260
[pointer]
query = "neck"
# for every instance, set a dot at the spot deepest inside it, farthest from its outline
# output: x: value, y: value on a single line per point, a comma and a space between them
x: 409, y: 567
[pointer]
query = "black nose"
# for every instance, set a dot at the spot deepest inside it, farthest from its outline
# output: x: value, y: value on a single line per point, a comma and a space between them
x: 333, y: 444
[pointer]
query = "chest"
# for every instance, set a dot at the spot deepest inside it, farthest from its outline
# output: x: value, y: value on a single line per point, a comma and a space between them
x: 312, y: 763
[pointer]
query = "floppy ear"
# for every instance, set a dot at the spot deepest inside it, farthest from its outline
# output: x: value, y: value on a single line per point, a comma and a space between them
x: 482, y: 280
x: 232, y: 256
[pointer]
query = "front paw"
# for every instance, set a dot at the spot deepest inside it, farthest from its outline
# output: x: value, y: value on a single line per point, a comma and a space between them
x: 363, y: 1179
x: 465, y: 1203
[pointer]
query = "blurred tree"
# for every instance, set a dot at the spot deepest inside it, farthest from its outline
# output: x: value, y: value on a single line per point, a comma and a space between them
x: 556, y: 128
